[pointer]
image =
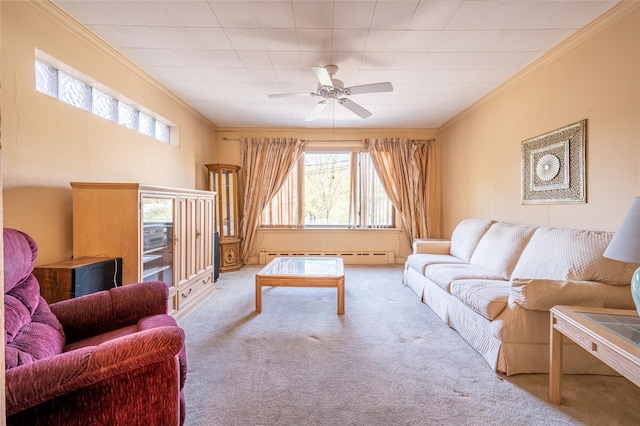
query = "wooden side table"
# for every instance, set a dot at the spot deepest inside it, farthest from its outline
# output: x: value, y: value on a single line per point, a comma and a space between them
x: 77, y: 277
x: 611, y: 335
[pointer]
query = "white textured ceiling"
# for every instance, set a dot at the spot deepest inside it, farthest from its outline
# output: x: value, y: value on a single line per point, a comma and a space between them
x: 225, y: 57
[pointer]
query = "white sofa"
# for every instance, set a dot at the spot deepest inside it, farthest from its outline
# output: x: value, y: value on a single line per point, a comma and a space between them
x: 495, y: 282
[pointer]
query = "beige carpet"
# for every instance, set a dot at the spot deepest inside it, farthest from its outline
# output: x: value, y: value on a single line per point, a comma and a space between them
x: 387, y: 361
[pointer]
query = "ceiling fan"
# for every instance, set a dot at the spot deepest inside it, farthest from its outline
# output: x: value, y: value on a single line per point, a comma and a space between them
x: 332, y: 88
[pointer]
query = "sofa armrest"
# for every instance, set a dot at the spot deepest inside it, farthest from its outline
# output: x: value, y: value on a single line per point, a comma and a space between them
x: 40, y: 381
x: 105, y: 311
x: 542, y: 295
x: 431, y: 246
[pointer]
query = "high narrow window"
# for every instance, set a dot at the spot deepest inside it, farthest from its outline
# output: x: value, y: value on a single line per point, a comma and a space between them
x: 62, y: 85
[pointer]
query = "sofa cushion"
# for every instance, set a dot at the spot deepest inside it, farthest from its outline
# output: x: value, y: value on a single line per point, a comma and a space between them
x: 443, y: 275
x: 466, y: 235
x: 571, y: 254
x: 542, y: 295
x: 431, y: 246
x: 420, y: 261
x: 486, y: 297
x: 500, y: 247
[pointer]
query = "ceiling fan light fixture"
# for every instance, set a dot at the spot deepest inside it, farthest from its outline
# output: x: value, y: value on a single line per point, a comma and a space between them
x: 332, y: 88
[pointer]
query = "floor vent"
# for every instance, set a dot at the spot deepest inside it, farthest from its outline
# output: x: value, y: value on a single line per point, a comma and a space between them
x: 350, y: 258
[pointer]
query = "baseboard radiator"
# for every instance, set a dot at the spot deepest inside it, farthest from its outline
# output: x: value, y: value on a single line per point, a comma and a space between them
x: 349, y: 258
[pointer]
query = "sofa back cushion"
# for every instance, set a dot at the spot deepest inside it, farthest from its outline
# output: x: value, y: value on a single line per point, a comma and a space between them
x: 571, y: 254
x: 501, y: 246
x: 466, y: 235
x: 31, y: 330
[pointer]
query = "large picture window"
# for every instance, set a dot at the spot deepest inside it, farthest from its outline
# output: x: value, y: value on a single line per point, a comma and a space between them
x: 331, y: 189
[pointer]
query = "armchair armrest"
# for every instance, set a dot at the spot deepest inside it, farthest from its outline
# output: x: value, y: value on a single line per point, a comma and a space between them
x: 431, y: 246
x: 40, y: 381
x: 542, y: 295
x: 104, y: 311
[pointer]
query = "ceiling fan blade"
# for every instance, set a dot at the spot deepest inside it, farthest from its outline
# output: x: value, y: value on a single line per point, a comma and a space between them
x: 369, y: 88
x: 286, y: 95
x: 323, y: 76
x: 316, y: 111
x: 354, y: 107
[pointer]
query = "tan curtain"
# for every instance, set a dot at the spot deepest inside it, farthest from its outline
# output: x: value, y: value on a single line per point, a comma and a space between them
x: 284, y: 209
x: 408, y: 169
x: 265, y: 163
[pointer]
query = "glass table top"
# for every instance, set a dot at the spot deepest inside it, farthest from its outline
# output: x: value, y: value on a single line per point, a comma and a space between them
x: 304, y: 266
x: 627, y: 327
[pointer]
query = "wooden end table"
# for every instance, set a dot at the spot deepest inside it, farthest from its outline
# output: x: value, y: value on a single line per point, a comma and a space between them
x: 611, y: 335
x: 302, y: 272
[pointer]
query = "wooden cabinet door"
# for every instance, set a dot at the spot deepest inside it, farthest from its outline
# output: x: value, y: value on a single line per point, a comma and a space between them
x: 204, y: 234
x: 191, y: 224
x: 181, y: 240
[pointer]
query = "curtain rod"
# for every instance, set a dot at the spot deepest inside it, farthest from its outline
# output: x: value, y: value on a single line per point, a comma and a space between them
x: 310, y: 140
x: 334, y: 140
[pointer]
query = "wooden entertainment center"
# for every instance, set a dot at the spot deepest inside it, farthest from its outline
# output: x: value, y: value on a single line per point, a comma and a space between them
x: 164, y: 234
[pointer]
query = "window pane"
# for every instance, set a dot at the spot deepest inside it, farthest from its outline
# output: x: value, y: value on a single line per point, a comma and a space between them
x: 162, y: 132
x: 376, y: 209
x: 147, y: 124
x: 73, y: 91
x: 127, y: 116
x: 58, y: 84
x: 104, y: 105
x: 46, y: 79
x: 326, y: 195
x: 326, y: 189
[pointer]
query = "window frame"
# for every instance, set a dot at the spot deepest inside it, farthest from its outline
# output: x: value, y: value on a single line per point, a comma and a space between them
x: 300, y: 195
x: 163, y: 130
x: 303, y: 191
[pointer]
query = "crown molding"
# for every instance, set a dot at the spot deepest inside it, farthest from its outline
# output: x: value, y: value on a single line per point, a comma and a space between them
x: 84, y: 33
x: 623, y: 8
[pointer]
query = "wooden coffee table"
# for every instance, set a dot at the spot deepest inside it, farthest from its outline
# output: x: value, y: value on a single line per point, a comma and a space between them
x: 302, y: 272
x: 611, y: 335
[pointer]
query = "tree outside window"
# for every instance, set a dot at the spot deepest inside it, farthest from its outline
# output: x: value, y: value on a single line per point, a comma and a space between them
x: 326, y: 183
x: 329, y: 194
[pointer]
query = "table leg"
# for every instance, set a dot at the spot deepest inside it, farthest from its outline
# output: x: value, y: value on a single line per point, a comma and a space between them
x: 555, y: 364
x: 341, y: 297
x: 258, y: 295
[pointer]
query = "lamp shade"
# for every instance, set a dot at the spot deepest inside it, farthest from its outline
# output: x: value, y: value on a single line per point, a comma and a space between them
x: 625, y: 244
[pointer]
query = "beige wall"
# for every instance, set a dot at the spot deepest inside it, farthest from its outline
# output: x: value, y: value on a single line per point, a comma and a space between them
x: 312, y: 239
x: 595, y: 76
x: 47, y: 143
